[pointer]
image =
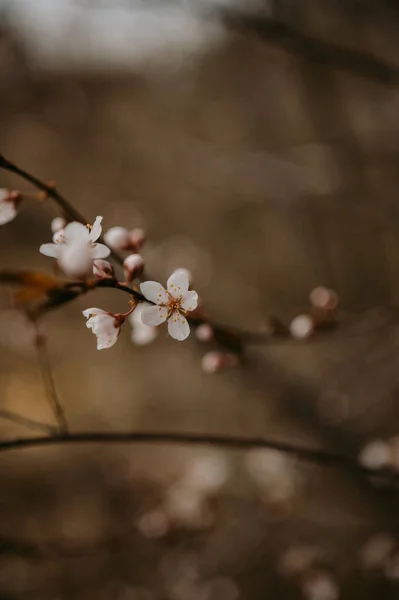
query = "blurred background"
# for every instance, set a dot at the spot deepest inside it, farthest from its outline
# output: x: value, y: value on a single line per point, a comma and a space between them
x: 256, y: 142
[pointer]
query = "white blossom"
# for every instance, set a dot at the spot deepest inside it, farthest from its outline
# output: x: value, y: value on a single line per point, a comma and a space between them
x: 106, y: 326
x: 171, y: 304
x: 9, y: 202
x: 141, y: 334
x: 75, y: 248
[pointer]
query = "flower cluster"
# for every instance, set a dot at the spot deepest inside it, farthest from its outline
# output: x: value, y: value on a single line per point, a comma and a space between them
x: 75, y: 248
x: 80, y: 255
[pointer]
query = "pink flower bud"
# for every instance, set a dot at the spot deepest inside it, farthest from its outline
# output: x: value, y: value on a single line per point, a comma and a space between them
x: 102, y: 269
x: 137, y: 238
x: 204, y: 333
x: 322, y: 297
x: 302, y: 327
x: 216, y: 361
x: 117, y: 238
x: 133, y: 265
x: 57, y: 224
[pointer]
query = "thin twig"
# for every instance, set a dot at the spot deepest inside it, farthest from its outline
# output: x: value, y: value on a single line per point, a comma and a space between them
x: 51, y: 392
x: 21, y: 420
x: 322, y: 457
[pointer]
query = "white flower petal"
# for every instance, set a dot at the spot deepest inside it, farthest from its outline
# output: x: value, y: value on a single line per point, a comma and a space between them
x: 92, y: 312
x: 178, y: 283
x: 154, y: 315
x: 154, y: 292
x: 189, y: 301
x: 100, y: 251
x: 8, y: 211
x: 51, y: 250
x: 178, y: 326
x: 76, y: 232
x: 143, y: 334
x: 75, y: 259
x: 96, y: 230
x: 106, y: 328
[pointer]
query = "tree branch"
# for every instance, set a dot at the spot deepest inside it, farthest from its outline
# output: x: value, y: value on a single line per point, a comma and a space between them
x: 317, y: 456
x: 313, y: 49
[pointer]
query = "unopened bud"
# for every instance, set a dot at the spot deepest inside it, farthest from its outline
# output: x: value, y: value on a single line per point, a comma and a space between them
x: 375, y: 455
x: 133, y: 265
x: 57, y: 224
x: 102, y: 269
x: 322, y: 297
x: 302, y: 327
x: 216, y: 361
x: 9, y: 203
x: 137, y: 238
x: 204, y: 333
x: 117, y: 238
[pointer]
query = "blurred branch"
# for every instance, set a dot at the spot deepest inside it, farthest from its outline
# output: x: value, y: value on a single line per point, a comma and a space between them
x: 312, y: 48
x: 317, y: 456
x: 20, y: 420
x: 51, y: 392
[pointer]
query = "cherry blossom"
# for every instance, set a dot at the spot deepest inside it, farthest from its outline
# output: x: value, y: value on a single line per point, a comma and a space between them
x: 75, y: 247
x: 171, y: 304
x: 141, y: 334
x: 106, y: 326
x: 9, y: 202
